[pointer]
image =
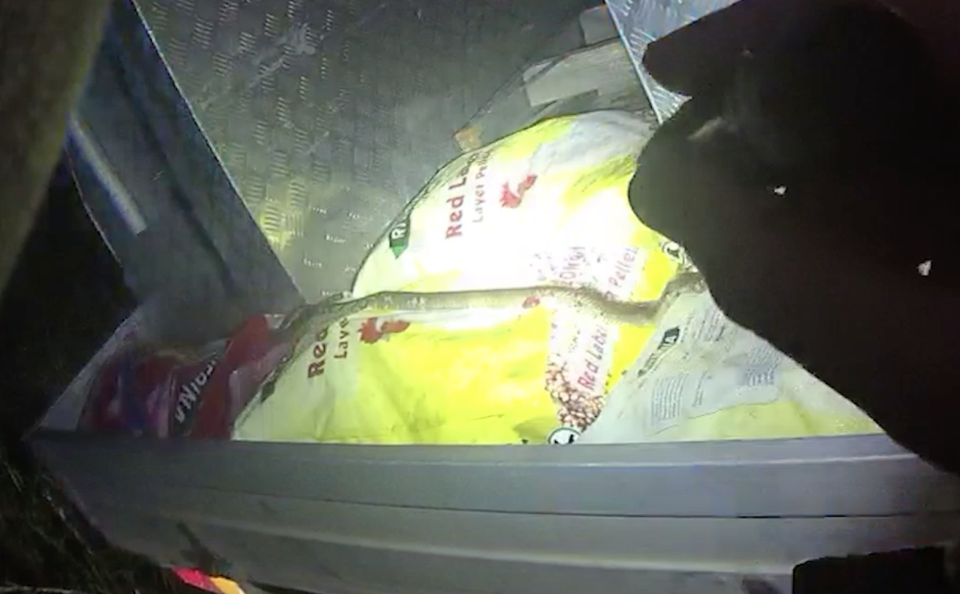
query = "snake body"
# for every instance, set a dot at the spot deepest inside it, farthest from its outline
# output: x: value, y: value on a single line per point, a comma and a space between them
x: 583, y: 300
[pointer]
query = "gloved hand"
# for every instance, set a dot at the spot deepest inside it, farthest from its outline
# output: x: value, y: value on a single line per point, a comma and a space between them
x: 837, y: 111
x: 794, y: 268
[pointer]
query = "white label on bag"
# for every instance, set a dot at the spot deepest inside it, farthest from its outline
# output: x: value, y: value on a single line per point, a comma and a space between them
x: 697, y: 363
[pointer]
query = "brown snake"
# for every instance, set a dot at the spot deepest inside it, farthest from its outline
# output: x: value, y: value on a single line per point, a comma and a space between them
x: 589, y: 301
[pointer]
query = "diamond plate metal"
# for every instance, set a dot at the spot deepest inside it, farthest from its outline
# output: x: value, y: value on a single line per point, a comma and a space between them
x: 329, y: 115
x: 191, y: 248
x: 642, y: 21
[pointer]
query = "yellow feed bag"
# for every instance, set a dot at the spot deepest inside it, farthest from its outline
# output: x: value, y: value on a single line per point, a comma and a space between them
x: 545, y: 206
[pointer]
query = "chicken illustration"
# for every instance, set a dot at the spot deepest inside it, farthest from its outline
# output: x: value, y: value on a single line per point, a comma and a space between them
x: 371, y: 331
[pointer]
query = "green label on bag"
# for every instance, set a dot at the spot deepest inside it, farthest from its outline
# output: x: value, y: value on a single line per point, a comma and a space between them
x: 400, y: 237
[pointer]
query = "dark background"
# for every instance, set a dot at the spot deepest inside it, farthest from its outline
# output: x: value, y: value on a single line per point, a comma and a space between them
x: 64, y: 300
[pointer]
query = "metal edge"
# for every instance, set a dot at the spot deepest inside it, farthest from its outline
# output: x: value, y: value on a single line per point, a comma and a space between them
x: 866, y: 475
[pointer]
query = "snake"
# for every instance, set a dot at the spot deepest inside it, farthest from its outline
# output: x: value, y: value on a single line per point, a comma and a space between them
x: 585, y: 300
x: 317, y: 317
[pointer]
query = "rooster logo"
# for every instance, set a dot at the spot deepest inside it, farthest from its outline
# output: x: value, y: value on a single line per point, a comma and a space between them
x: 512, y: 199
x: 371, y: 331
